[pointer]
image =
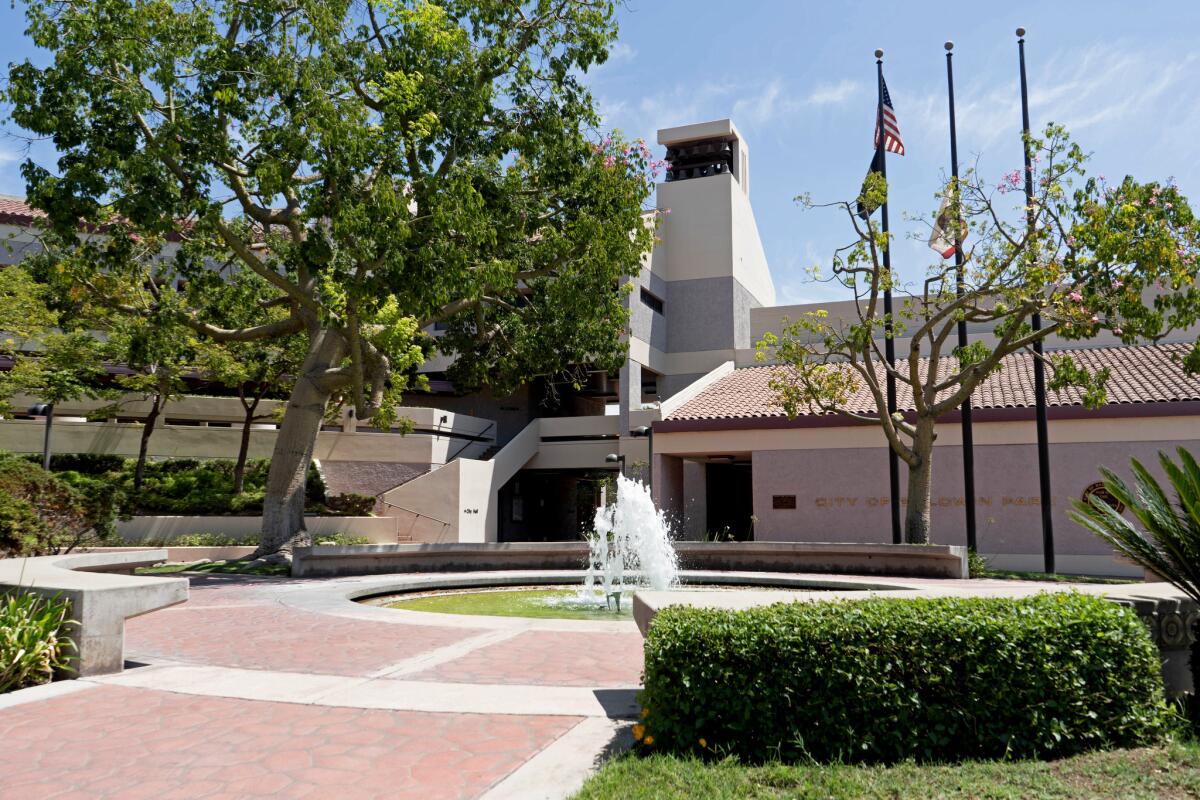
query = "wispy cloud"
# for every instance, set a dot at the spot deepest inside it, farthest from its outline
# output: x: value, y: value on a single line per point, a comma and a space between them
x: 762, y: 107
x: 1098, y: 86
x: 833, y: 94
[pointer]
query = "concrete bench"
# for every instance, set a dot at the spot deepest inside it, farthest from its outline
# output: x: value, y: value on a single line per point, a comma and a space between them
x: 101, y: 598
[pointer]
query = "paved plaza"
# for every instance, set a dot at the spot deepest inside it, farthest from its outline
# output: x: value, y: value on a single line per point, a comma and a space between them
x: 262, y: 687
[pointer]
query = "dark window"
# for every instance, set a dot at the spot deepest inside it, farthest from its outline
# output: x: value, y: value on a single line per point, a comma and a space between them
x: 783, y: 501
x: 651, y: 300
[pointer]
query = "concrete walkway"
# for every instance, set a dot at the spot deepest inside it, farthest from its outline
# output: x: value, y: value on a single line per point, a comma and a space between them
x: 278, y: 688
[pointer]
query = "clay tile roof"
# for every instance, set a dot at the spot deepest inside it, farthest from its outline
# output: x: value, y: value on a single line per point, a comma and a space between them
x: 1142, y: 374
x: 15, y: 211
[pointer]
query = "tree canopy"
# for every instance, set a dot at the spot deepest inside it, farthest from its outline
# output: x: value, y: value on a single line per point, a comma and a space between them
x: 1091, y: 257
x: 384, y: 166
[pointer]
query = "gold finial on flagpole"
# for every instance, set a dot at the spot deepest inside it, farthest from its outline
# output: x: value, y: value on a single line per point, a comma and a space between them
x: 949, y: 46
x: 879, y: 53
x: 1020, y: 33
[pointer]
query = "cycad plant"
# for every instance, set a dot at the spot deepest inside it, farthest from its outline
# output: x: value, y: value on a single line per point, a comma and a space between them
x: 1163, y: 536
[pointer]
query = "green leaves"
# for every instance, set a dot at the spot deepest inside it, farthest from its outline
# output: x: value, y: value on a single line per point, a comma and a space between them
x: 34, y: 643
x: 884, y: 679
x: 1162, y: 536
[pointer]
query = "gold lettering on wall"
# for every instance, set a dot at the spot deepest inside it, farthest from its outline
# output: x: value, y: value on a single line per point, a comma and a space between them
x: 945, y: 501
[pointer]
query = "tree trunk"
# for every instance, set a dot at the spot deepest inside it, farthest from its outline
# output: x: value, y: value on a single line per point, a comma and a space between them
x: 140, y: 471
x: 239, y: 469
x: 916, y: 522
x: 283, y: 505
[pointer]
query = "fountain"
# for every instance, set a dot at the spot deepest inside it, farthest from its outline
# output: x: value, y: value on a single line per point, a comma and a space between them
x: 631, y: 547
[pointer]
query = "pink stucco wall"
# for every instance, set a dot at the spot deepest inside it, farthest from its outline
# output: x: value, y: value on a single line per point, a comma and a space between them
x: 841, y: 495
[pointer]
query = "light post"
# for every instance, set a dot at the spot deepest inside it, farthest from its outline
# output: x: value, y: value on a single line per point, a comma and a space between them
x: 648, y: 432
x: 613, y: 458
x: 46, y: 410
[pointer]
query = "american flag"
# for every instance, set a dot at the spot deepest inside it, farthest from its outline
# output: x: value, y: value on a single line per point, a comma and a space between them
x: 891, y: 129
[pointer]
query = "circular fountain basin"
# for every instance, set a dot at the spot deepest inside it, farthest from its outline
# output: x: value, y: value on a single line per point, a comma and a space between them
x: 550, y: 601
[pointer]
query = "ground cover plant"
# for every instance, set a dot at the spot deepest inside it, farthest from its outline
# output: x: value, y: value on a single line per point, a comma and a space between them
x: 1170, y: 770
x: 33, y: 640
x: 220, y: 567
x: 887, y: 679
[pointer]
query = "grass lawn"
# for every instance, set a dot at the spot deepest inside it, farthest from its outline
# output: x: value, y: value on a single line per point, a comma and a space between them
x: 1171, y: 770
x: 529, y: 602
x: 218, y: 567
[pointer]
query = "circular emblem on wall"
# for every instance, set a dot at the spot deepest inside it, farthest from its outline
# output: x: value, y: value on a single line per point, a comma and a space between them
x: 1098, y: 491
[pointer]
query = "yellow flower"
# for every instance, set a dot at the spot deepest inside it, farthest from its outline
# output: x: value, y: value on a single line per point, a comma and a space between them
x: 645, y: 713
x: 639, y: 731
x: 649, y: 740
x: 703, y: 743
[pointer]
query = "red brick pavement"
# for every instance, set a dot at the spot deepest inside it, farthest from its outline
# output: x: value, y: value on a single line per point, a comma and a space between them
x: 116, y: 742
x: 276, y: 637
x: 548, y: 658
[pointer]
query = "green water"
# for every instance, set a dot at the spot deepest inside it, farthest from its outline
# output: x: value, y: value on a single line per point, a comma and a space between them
x: 538, y: 603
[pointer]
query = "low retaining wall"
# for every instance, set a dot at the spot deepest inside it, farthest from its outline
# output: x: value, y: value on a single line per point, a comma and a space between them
x: 163, y: 528
x: 182, y: 554
x: 923, y: 561
x: 100, y: 600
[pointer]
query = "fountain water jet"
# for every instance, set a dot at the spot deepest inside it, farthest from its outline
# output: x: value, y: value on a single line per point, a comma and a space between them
x: 631, y: 545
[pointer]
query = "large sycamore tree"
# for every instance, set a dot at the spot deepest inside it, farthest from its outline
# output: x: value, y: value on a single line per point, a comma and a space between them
x: 1091, y: 257
x: 385, y: 166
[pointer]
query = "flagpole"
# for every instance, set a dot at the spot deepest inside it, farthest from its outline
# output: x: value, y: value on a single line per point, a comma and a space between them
x: 889, y: 343
x: 1039, y: 369
x: 968, y: 435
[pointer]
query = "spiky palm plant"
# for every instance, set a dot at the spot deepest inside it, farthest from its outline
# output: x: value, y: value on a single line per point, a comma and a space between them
x: 1163, y: 536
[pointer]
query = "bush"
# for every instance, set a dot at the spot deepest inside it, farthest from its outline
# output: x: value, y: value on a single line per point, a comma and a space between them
x: 33, y: 642
x: 339, y: 539
x: 350, y: 504
x: 43, y: 513
x: 213, y: 540
x: 187, y: 487
x: 885, y: 679
x: 86, y: 463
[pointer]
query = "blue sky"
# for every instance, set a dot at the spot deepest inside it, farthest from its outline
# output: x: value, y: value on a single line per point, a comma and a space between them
x: 798, y: 79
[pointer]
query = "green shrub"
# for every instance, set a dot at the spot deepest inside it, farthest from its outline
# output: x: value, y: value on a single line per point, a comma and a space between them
x: 187, y: 487
x: 43, y: 512
x: 213, y: 540
x: 339, y: 539
x: 86, y: 463
x: 351, y: 504
x: 33, y: 641
x: 885, y: 679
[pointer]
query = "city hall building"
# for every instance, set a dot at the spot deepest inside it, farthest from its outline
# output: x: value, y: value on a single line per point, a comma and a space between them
x: 723, y: 458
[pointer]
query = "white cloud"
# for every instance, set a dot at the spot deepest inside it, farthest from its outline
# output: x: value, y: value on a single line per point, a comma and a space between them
x: 761, y: 108
x: 1100, y: 85
x: 620, y: 53
x: 7, y: 156
x: 833, y: 94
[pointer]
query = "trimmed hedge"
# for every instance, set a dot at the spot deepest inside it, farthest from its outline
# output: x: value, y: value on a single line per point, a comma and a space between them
x: 884, y: 679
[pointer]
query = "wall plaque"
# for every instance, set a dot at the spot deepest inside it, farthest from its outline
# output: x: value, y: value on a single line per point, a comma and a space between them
x: 786, y: 501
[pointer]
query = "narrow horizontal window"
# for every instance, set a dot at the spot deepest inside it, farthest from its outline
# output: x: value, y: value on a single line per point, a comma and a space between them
x: 651, y: 300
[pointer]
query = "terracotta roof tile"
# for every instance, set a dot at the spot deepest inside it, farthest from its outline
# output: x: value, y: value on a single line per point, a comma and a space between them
x: 15, y: 211
x: 1142, y: 374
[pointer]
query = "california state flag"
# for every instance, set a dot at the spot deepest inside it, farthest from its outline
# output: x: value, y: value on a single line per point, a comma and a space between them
x: 937, y: 239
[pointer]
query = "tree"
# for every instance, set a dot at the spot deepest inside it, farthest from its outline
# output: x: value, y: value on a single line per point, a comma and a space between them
x: 1085, y: 261
x: 60, y: 367
x: 161, y: 352
x: 254, y: 368
x: 390, y: 165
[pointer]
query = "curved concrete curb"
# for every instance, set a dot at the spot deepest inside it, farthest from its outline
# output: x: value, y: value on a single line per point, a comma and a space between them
x: 100, y: 600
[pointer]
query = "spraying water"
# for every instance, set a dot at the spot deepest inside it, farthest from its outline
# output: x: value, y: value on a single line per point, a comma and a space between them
x: 631, y: 545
